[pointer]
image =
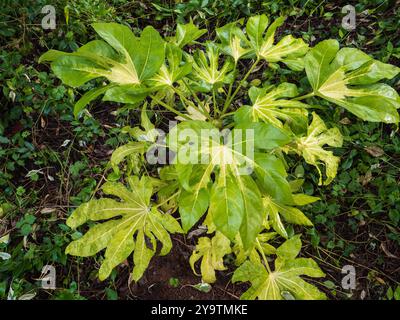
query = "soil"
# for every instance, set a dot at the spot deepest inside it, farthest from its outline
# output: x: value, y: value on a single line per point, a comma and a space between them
x: 155, y: 284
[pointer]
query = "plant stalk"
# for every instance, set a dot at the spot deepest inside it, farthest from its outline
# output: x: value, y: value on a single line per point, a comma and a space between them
x: 308, y: 95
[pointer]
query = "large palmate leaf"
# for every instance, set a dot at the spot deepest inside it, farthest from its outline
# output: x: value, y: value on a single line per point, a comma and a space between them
x: 285, y: 278
x: 233, y: 197
x: 288, y: 50
x: 122, y: 58
x: 349, y: 78
x: 270, y: 105
x: 211, y: 252
x: 311, y: 147
x: 130, y: 223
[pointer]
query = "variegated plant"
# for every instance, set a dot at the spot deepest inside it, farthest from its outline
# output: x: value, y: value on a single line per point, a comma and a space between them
x: 205, y: 87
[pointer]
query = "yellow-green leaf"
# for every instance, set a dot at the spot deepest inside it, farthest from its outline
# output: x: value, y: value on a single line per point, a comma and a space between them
x: 137, y: 220
x: 212, y: 253
x: 284, y: 278
x: 311, y: 147
x: 349, y: 78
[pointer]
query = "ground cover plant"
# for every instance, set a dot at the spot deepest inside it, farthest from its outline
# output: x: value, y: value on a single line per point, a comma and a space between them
x: 248, y: 87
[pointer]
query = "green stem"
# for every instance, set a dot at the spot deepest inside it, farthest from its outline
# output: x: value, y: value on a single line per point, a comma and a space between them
x: 193, y: 94
x: 169, y: 108
x: 308, y: 95
x: 230, y: 99
x: 181, y: 96
x: 227, y: 114
x: 263, y: 256
x: 202, y: 105
x: 231, y: 85
x: 166, y: 200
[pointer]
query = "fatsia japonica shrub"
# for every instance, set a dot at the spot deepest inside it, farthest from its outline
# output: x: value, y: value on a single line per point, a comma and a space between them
x: 231, y: 184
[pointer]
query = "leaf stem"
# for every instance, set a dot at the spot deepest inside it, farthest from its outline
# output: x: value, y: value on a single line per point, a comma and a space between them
x: 227, y: 114
x: 308, y: 95
x: 216, y: 109
x: 228, y: 95
x: 263, y: 256
x: 166, y: 200
x: 193, y: 94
